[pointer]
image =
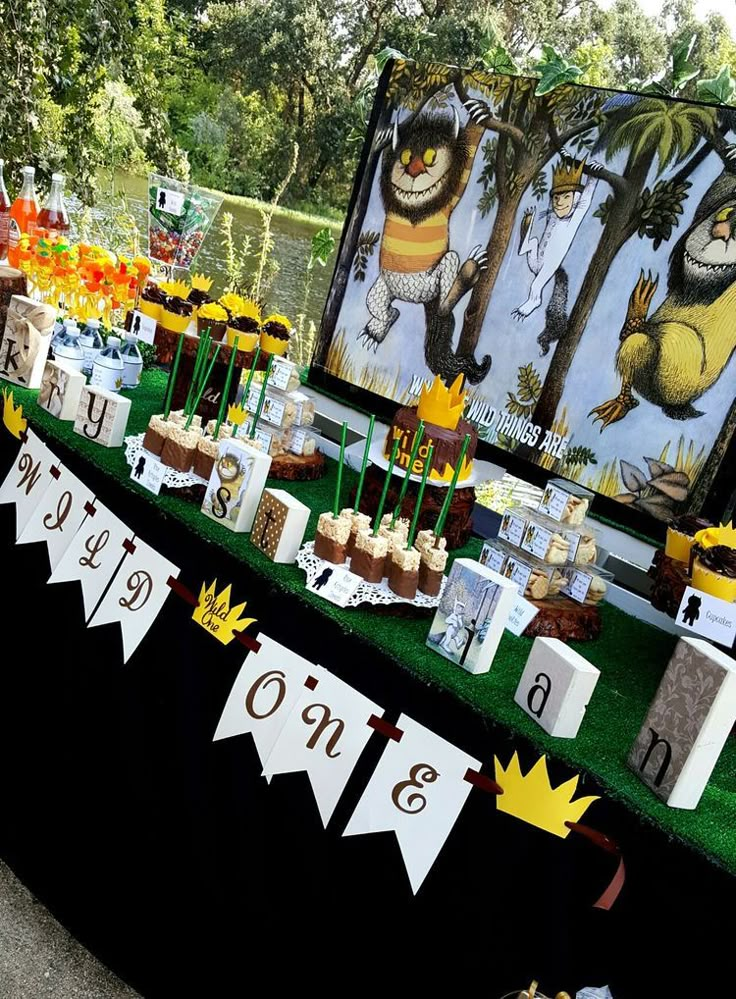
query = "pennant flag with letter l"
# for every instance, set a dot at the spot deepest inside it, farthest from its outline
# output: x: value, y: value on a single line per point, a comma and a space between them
x: 28, y: 479
x: 93, y: 556
x: 136, y: 594
x: 325, y: 734
x: 417, y: 790
x: 59, y: 514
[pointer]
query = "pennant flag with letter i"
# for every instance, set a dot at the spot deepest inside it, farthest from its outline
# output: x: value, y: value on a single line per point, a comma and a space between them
x: 417, y: 790
x: 59, y: 514
x: 136, y: 594
x: 28, y: 479
x: 95, y: 552
x: 325, y: 734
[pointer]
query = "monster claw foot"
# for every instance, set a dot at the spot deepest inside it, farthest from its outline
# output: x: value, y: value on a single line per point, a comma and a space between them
x: 615, y: 409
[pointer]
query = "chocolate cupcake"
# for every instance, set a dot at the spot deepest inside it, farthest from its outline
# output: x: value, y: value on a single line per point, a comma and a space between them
x: 197, y: 296
x: 176, y: 314
x: 714, y: 571
x: 681, y: 534
x: 275, y: 333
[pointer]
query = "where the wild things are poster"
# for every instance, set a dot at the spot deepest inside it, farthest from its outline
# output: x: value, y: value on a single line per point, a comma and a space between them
x: 573, y: 254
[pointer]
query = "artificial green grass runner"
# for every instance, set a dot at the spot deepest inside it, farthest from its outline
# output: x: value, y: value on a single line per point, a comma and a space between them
x: 631, y: 655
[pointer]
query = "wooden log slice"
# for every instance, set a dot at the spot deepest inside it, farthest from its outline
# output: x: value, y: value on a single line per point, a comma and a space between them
x: 561, y: 618
x: 298, y: 467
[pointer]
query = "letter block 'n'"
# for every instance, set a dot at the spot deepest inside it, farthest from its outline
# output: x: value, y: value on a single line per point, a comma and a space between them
x: 687, y: 724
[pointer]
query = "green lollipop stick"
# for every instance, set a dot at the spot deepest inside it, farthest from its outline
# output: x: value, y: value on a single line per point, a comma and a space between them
x: 420, y: 497
x: 384, y: 492
x: 361, y: 480
x: 405, y: 484
x: 338, y: 486
x: 248, y: 385
x: 226, y: 390
x: 172, y: 377
x: 440, y: 525
x: 202, y: 350
x: 261, y: 398
x: 203, y: 386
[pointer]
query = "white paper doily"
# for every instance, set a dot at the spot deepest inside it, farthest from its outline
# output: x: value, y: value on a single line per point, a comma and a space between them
x: 173, y: 478
x: 366, y: 593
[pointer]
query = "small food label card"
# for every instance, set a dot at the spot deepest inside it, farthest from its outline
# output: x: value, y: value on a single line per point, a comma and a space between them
x: 492, y: 556
x: 512, y: 528
x: 148, y: 472
x: 143, y: 326
x: 537, y: 540
x: 335, y: 584
x: 520, y: 616
x: 284, y: 374
x: 518, y: 572
x: 273, y: 409
x: 577, y: 584
x: 170, y: 201
x: 708, y: 616
x: 553, y: 502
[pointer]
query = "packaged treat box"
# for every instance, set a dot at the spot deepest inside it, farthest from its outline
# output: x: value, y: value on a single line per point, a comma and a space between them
x: 284, y: 375
x: 299, y: 440
x: 513, y: 526
x: 533, y: 578
x: 494, y: 554
x: 566, y: 502
x: 583, y: 544
x: 271, y: 439
x: 278, y: 409
x: 585, y: 584
x: 544, y: 539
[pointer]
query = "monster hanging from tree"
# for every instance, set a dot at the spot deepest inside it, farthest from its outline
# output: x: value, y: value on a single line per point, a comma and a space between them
x: 424, y: 173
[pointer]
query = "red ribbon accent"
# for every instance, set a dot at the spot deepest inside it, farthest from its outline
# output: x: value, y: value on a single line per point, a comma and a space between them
x: 605, y: 843
x: 482, y: 782
x: 252, y: 644
x: 55, y: 471
x: 129, y: 546
x: 90, y: 509
x: 385, y: 728
x: 182, y: 591
x: 311, y: 682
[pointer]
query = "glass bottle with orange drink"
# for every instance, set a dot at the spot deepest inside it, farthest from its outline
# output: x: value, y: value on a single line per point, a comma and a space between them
x: 54, y: 216
x: 23, y: 215
x: 4, y: 214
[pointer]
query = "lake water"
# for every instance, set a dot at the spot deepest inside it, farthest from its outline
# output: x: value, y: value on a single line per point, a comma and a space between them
x: 292, y: 238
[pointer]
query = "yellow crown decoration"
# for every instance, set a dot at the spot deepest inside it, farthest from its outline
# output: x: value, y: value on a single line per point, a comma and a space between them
x: 252, y: 309
x: 447, y: 474
x: 214, y: 613
x: 236, y: 415
x: 201, y: 282
x: 13, y: 415
x: 568, y: 176
x: 442, y: 406
x: 179, y: 289
x: 532, y: 798
x: 725, y: 534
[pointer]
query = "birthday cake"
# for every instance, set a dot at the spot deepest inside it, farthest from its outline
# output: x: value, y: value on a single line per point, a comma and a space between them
x: 441, y: 411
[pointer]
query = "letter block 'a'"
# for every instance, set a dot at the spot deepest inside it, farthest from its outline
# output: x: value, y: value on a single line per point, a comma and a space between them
x: 102, y: 416
x: 556, y: 687
x: 687, y: 724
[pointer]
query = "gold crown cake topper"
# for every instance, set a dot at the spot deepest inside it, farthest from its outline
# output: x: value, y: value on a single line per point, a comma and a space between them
x: 442, y: 406
x: 709, y: 537
x: 568, y: 176
x: 179, y: 289
x: 214, y: 613
x: 201, y: 282
x: 532, y: 798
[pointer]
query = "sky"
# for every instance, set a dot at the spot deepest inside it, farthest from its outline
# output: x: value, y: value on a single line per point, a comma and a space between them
x: 702, y: 8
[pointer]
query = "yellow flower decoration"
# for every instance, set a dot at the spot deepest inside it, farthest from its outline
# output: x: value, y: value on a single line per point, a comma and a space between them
x: 276, y: 318
x: 214, y: 312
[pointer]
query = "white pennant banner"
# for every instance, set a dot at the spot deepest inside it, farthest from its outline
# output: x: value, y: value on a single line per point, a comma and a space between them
x: 94, y: 554
x: 28, y: 479
x: 59, y: 514
x: 265, y: 691
x: 136, y: 595
x: 325, y: 734
x: 418, y: 790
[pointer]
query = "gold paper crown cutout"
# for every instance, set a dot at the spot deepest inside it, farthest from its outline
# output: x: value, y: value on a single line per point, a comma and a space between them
x: 179, y: 289
x: 709, y: 537
x: 201, y: 282
x: 236, y: 415
x: 446, y: 476
x: 13, y: 415
x: 442, y: 406
x: 568, y: 176
x: 216, y: 615
x: 532, y: 798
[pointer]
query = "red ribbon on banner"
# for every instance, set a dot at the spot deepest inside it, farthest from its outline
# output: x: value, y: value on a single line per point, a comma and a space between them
x: 605, y: 843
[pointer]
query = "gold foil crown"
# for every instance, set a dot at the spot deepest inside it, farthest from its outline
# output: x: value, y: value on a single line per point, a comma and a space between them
x: 442, y: 406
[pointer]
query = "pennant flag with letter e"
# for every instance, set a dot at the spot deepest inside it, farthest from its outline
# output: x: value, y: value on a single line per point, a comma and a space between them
x: 59, y: 514
x: 28, y: 479
x: 325, y: 734
x: 417, y: 790
x: 136, y: 594
x: 93, y: 556
x: 264, y: 694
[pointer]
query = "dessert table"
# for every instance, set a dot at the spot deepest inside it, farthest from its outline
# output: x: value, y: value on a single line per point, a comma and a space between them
x: 173, y: 860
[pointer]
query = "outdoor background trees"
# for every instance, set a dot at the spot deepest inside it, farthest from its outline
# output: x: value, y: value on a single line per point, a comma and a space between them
x: 221, y: 90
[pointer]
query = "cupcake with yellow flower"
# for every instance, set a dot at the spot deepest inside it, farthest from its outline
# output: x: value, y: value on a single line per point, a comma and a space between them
x: 212, y: 315
x: 199, y: 294
x: 275, y: 333
x: 245, y: 321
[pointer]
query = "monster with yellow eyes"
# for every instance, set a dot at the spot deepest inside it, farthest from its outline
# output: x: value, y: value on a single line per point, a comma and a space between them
x: 673, y: 356
x: 424, y: 172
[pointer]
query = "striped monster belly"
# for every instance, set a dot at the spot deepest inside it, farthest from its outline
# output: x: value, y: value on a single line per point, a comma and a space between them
x: 409, y: 249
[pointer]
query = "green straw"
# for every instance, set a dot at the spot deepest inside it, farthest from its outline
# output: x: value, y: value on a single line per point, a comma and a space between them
x: 440, y: 525
x: 420, y: 497
x: 250, y: 377
x: 405, y: 484
x: 369, y: 438
x: 226, y: 390
x: 202, y: 351
x: 204, y: 382
x: 338, y: 487
x: 172, y: 377
x: 261, y: 398
x: 386, y: 481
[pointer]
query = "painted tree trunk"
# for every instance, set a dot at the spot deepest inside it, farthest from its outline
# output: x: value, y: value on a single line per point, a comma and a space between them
x: 697, y: 497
